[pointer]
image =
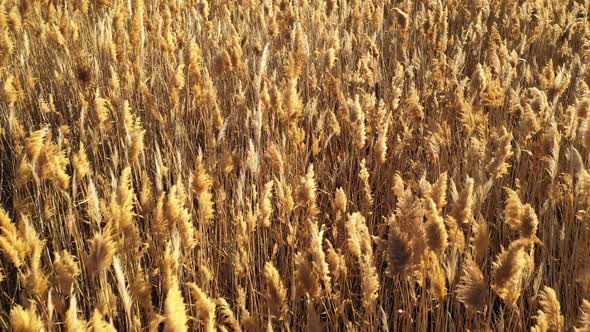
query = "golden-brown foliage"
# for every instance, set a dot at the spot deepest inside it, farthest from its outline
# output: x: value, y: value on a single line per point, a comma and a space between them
x: 281, y: 165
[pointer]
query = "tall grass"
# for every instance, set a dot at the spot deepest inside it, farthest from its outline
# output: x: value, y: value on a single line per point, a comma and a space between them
x: 294, y: 165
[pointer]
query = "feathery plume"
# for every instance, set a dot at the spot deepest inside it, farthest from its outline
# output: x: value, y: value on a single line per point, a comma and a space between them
x: 463, y: 207
x: 472, y: 289
x: 73, y: 323
x: 340, y: 200
x: 436, y: 233
x: 584, y: 319
x: 276, y: 291
x: 174, y: 309
x: 550, y: 312
x: 100, y: 256
x: 507, y: 271
x: 306, y: 192
x: 265, y: 204
x: 80, y: 162
x: 66, y: 269
x: 202, y: 185
x: 25, y: 320
x: 205, y: 307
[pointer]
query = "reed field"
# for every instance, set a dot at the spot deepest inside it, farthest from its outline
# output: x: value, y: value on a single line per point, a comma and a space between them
x: 294, y: 165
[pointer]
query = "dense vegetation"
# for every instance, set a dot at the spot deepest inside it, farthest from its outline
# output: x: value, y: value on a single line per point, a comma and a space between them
x: 286, y: 165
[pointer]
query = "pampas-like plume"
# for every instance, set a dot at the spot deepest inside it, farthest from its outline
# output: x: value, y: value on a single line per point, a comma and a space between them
x: 398, y: 251
x: 81, y: 163
x: 34, y: 144
x: 136, y: 33
x: 306, y: 192
x: 336, y: 262
x: 284, y: 197
x: 408, y: 221
x: 513, y: 210
x: 478, y: 80
x: 340, y: 200
x: 176, y: 319
x: 195, y: 60
x: 265, y: 205
x: 177, y: 215
x: 24, y: 173
x: 122, y: 211
x: 246, y: 320
x: 101, y: 110
x: 35, y: 280
x: 73, y: 323
x: 364, y: 176
x: 66, y: 269
x: 52, y: 164
x: 276, y: 291
x: 436, y: 233
x: 137, y: 134
x: 293, y: 106
x: 205, y: 307
x: 584, y: 319
x: 357, y: 118
x: 369, y: 281
x: 11, y: 242
x: 439, y: 192
x: 359, y: 240
x: 93, y: 203
x: 99, y: 324
x: 306, y: 280
x: 122, y: 287
x: 8, y: 93
x: 381, y: 144
x: 437, y: 278
x: 508, y: 269
x: 25, y: 320
x: 225, y: 318
x: 521, y: 217
x: 319, y: 257
x: 529, y: 224
x: 100, y: 256
x: 146, y: 196
x: 550, y: 312
x: 498, y: 166
x: 480, y: 239
x: 463, y: 207
x: 472, y: 289
x: 202, y: 185
x: 542, y: 324
x: 276, y: 158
